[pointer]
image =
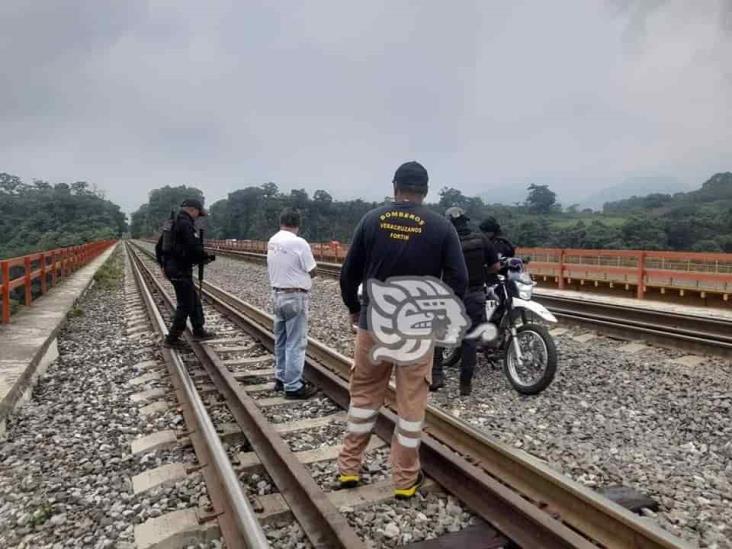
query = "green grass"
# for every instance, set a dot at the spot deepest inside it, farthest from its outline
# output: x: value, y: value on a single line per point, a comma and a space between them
x: 109, y: 274
x: 42, y: 514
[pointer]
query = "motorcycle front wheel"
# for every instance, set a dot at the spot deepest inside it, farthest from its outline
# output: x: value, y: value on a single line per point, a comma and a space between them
x: 536, y: 370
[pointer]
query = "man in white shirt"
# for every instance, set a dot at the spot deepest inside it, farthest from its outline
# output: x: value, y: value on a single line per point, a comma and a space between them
x: 291, y: 266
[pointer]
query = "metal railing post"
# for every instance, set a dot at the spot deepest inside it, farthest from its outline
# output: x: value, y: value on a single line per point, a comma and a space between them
x: 44, y: 287
x: 5, y: 270
x: 561, y: 270
x: 28, y: 281
x: 641, y: 290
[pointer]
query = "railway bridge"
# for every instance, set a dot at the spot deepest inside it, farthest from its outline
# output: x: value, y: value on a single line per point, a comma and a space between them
x: 111, y: 440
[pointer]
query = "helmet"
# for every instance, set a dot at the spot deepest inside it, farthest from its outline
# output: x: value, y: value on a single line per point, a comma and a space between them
x: 490, y: 225
x: 455, y: 212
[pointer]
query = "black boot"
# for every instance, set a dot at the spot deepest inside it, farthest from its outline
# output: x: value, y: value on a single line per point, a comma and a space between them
x: 438, y: 376
x: 465, y: 388
x: 173, y: 341
x: 201, y: 335
x: 438, y: 382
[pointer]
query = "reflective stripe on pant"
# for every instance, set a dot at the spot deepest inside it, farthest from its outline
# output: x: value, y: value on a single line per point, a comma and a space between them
x: 369, y: 382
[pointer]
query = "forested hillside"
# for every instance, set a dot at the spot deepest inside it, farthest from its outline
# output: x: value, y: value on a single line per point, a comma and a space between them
x: 700, y: 220
x: 41, y: 216
x: 149, y: 217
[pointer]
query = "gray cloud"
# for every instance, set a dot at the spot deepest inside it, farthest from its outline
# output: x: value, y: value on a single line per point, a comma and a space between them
x: 137, y: 94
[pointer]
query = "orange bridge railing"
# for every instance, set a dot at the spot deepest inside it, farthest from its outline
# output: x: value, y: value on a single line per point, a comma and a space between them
x: 46, y: 267
x: 704, y: 273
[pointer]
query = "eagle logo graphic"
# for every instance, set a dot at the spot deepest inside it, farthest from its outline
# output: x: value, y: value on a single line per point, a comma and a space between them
x: 408, y: 316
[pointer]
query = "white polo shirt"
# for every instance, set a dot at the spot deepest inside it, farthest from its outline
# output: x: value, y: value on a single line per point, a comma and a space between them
x: 289, y: 260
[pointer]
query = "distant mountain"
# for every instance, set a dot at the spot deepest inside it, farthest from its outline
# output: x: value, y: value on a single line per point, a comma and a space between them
x: 634, y: 186
x: 715, y: 193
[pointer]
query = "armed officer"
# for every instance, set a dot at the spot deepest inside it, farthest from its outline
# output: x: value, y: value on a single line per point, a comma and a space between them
x: 177, y: 256
x: 402, y: 239
x: 491, y: 229
x: 481, y: 259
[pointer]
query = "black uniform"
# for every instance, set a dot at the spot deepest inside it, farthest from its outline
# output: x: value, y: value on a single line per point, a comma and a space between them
x: 479, y: 253
x: 178, y: 266
x: 503, y: 246
x: 398, y: 240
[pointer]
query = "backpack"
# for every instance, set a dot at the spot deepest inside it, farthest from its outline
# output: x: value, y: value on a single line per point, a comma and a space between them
x: 167, y: 239
x: 473, y: 245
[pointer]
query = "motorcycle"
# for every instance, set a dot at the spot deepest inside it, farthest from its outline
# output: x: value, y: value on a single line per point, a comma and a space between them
x: 524, y: 344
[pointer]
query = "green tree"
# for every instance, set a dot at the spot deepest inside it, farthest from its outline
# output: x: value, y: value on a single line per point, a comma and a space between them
x: 452, y: 197
x: 540, y: 199
x: 41, y: 216
x: 148, y: 219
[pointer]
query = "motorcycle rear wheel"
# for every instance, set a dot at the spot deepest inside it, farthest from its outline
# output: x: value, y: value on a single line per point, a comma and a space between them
x: 539, y: 366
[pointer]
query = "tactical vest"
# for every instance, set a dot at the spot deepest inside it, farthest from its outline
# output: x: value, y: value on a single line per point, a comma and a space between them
x: 474, y: 252
x: 503, y: 246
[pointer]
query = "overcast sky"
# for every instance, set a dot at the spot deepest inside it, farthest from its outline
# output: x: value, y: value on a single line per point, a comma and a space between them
x: 581, y: 94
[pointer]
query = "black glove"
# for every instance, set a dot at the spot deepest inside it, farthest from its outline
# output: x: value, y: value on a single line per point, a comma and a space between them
x: 210, y: 258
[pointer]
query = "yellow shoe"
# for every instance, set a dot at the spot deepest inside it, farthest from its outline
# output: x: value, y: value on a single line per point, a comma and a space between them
x: 348, y: 481
x: 407, y: 493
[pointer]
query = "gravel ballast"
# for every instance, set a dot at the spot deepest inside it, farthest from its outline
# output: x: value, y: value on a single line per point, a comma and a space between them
x: 381, y: 525
x: 608, y: 418
x: 65, y: 466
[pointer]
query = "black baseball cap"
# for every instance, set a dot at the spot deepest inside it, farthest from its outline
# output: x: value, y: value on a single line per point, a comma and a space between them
x: 412, y: 174
x: 194, y: 203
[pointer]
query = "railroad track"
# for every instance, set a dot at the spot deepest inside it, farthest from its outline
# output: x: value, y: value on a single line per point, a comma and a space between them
x: 527, y: 502
x: 705, y: 334
x: 691, y: 332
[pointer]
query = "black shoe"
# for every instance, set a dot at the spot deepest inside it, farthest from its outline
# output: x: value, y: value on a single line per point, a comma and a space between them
x: 437, y: 383
x: 346, y: 482
x: 202, y: 335
x: 173, y: 342
x: 465, y: 389
x: 409, y: 493
x: 279, y: 386
x: 304, y: 392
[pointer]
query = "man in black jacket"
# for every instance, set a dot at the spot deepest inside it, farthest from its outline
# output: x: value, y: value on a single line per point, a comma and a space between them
x: 187, y: 251
x: 480, y: 259
x: 490, y: 227
x: 403, y: 239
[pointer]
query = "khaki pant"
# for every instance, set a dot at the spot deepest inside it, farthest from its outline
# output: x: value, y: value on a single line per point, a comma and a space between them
x: 369, y: 382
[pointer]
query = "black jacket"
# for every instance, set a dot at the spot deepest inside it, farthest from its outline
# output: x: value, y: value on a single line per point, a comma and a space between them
x: 401, y: 239
x: 479, y: 254
x: 503, y: 246
x: 187, y: 250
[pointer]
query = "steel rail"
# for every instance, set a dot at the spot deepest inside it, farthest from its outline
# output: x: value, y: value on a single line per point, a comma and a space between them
x: 328, y: 269
x: 691, y: 328
x: 237, y: 520
x: 471, y: 464
x: 324, y: 525
x: 709, y: 335
x: 554, y: 501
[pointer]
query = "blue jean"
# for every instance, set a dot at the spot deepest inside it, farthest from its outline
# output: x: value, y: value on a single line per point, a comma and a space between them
x: 291, y: 336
